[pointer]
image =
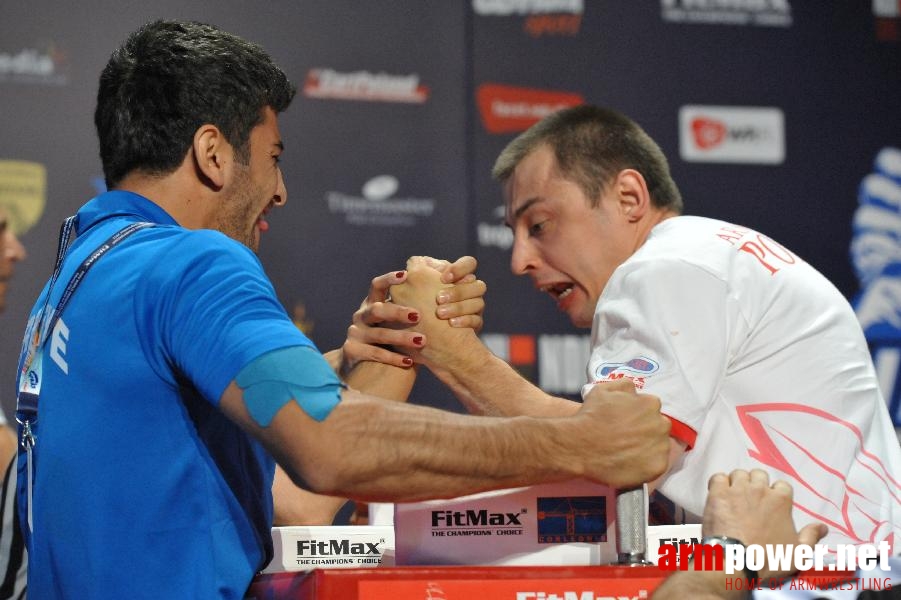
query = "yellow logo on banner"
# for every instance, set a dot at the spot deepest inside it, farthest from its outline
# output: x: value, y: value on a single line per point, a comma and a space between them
x: 23, y: 192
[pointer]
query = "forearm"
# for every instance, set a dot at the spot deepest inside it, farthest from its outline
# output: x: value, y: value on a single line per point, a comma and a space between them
x: 375, y: 378
x: 384, y: 381
x: 377, y: 451
x: 487, y: 385
x: 293, y: 505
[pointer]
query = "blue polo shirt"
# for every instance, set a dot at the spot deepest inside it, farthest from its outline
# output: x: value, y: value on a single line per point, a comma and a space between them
x: 143, y: 488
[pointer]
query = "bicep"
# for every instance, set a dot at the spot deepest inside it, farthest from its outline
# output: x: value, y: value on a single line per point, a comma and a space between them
x: 293, y: 438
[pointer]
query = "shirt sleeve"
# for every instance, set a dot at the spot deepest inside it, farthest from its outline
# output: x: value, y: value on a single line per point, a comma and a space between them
x: 208, y: 309
x: 664, y: 324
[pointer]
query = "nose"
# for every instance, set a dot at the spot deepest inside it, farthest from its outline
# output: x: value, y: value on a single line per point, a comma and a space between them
x: 523, y: 258
x: 281, y: 191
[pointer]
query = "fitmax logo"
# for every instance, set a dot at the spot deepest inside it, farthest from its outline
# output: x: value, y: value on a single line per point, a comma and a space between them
x: 336, y: 547
x: 473, y: 518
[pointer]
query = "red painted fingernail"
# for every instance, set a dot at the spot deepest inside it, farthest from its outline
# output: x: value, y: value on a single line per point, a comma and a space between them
x: 413, y: 317
x: 399, y: 274
x: 408, y: 361
x: 418, y: 340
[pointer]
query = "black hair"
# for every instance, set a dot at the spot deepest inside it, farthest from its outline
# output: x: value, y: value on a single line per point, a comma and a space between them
x: 168, y: 79
x: 592, y: 145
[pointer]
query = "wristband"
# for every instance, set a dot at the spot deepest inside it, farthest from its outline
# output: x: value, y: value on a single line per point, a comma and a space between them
x: 722, y: 540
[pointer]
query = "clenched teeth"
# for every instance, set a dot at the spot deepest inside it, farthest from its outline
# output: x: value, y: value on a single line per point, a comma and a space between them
x: 558, y: 290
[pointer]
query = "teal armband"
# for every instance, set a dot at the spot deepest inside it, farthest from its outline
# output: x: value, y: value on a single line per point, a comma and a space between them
x: 298, y: 373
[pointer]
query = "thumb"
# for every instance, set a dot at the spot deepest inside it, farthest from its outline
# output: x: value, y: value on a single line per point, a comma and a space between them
x: 812, y: 533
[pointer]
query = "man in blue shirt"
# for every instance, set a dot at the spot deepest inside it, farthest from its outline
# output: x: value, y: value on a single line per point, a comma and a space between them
x: 160, y: 376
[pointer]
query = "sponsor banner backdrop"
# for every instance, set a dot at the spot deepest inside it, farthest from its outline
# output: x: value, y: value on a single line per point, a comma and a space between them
x: 770, y: 111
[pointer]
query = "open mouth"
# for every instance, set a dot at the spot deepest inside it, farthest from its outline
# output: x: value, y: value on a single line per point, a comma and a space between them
x: 262, y: 223
x: 558, y: 291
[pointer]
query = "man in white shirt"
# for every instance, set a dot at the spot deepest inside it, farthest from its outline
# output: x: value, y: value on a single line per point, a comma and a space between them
x: 759, y: 361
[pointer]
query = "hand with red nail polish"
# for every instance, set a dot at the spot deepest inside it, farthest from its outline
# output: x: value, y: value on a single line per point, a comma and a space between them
x: 462, y: 303
x: 428, y: 288
x: 378, y: 328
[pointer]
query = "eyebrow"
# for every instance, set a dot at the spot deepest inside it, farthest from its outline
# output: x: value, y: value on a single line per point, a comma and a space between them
x: 279, y: 145
x: 519, y: 211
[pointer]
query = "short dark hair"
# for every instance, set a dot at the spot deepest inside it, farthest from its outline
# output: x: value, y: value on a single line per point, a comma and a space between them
x: 171, y: 77
x: 591, y: 145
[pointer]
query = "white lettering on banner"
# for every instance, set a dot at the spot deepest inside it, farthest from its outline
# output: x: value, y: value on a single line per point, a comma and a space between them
x: 58, y: 340
x: 763, y: 13
x: 377, y: 207
x: 527, y: 7
x: 752, y: 5
x: 525, y: 110
x: 561, y: 362
x: 495, y: 235
x: 33, y: 66
x: 26, y: 62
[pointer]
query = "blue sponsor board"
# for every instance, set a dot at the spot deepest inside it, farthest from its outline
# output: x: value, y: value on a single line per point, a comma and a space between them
x: 572, y: 519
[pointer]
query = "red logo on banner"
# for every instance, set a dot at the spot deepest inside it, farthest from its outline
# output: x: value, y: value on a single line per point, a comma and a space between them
x: 707, y: 132
x: 364, y: 85
x: 508, y: 109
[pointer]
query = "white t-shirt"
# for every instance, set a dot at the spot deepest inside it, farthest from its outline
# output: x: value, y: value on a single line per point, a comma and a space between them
x: 761, y: 363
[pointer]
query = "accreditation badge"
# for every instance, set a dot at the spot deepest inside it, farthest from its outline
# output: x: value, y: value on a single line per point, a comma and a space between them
x: 31, y: 380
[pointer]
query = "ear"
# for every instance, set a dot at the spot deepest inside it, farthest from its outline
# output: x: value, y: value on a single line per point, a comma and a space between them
x: 632, y: 194
x: 212, y: 154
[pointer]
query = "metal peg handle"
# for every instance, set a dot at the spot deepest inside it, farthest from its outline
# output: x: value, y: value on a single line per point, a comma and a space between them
x: 631, y: 527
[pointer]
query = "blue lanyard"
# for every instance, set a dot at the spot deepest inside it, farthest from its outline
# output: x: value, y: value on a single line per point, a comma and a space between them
x: 27, y: 401
x: 31, y: 374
